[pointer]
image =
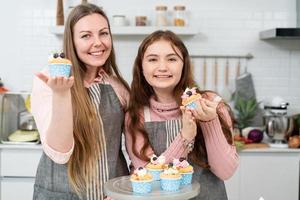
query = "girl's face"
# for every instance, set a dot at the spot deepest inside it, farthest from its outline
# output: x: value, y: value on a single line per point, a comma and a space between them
x: 92, y: 40
x: 162, y: 67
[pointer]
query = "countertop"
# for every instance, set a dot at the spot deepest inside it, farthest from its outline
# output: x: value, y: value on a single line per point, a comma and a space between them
x: 21, y: 146
x: 256, y: 150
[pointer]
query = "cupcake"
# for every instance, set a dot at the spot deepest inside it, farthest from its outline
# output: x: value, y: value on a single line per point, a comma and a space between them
x: 185, y: 169
x: 59, y: 65
x: 141, y: 181
x: 170, y: 179
x: 189, y: 98
x: 156, y: 166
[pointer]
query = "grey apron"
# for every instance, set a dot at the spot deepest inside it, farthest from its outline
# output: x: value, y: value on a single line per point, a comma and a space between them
x: 161, y: 134
x: 52, y: 179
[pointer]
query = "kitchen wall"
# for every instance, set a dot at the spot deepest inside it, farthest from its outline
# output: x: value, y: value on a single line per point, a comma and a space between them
x: 225, y: 27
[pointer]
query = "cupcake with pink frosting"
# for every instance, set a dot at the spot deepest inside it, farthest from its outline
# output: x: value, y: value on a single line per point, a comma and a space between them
x: 185, y: 169
x: 156, y: 166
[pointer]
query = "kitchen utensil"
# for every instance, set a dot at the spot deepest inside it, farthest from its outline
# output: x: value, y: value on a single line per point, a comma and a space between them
x: 278, y: 124
x: 204, y: 73
x: 26, y: 121
x: 226, y: 94
x: 216, y: 76
x: 11, y: 105
x: 60, y: 13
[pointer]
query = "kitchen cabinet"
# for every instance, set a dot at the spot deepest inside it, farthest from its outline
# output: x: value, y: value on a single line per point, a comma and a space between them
x: 268, y: 173
x: 18, y: 164
x: 137, y: 30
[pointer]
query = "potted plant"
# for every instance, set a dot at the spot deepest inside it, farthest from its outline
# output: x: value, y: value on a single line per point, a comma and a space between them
x: 245, y: 111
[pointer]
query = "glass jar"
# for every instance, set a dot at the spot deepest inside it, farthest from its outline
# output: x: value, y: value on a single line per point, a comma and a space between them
x: 179, y: 15
x: 161, y: 16
x: 140, y: 20
x: 119, y: 20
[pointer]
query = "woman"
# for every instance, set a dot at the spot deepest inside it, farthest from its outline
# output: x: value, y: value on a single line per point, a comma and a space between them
x: 156, y: 124
x: 80, y: 119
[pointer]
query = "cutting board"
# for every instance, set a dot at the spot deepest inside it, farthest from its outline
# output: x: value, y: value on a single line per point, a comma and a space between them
x: 256, y: 146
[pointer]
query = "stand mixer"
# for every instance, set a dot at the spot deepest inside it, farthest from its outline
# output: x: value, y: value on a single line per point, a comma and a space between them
x: 278, y: 124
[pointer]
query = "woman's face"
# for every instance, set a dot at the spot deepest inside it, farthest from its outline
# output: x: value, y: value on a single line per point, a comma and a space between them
x: 92, y: 40
x: 162, y: 67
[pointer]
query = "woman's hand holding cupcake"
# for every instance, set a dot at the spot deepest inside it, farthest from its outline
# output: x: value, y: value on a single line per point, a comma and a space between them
x: 58, y: 84
x: 59, y: 69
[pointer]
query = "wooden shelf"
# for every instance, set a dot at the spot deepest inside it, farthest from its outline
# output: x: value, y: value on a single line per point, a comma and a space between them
x: 136, y: 30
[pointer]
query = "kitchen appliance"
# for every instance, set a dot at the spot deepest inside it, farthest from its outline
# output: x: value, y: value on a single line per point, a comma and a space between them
x: 17, y: 123
x: 284, y: 33
x: 278, y: 124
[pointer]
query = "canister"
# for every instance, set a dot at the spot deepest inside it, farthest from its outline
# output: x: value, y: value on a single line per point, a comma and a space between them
x: 161, y: 16
x: 179, y: 15
x: 119, y: 20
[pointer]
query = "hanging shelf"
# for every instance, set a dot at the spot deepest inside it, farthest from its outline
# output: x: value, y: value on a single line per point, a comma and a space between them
x: 137, y: 30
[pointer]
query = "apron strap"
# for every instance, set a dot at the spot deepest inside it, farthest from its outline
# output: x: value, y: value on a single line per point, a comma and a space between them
x: 147, y: 114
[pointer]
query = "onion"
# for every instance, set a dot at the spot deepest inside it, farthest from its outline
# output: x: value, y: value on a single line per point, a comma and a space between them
x: 255, y: 135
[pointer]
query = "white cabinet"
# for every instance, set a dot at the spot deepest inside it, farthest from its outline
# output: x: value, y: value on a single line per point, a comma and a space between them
x: 16, y: 188
x: 18, y: 166
x: 270, y: 173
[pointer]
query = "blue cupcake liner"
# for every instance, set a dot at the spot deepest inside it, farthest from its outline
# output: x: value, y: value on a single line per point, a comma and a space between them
x: 141, y: 187
x: 186, y: 178
x: 59, y: 69
x: 155, y: 173
x: 171, y: 185
x: 192, y: 105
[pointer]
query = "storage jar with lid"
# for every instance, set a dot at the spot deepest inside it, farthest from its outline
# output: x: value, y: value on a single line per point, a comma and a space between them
x: 119, y: 20
x: 179, y: 15
x: 161, y: 16
x: 141, y: 20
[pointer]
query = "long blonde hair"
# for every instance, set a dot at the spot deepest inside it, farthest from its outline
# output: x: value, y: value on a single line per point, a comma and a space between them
x: 87, y: 125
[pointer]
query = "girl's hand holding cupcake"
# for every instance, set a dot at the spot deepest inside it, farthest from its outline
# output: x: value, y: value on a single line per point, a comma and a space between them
x: 206, y: 110
x: 189, y: 127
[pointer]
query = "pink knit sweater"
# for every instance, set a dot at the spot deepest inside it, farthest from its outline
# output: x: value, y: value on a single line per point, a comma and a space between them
x: 222, y: 157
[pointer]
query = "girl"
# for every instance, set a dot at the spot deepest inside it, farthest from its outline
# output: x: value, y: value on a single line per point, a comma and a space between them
x: 78, y: 117
x: 157, y: 125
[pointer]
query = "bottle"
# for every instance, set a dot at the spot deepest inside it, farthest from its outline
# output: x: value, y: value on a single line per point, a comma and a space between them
x: 161, y: 16
x: 179, y: 13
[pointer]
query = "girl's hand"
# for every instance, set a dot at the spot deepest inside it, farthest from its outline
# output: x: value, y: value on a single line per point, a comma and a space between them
x: 58, y: 84
x: 189, y: 127
x: 108, y: 198
x: 206, y: 110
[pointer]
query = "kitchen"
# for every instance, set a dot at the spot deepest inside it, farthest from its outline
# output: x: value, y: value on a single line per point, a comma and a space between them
x: 228, y: 30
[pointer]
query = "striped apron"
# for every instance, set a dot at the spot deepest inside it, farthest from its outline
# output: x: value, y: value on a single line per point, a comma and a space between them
x: 52, y: 179
x: 161, y: 134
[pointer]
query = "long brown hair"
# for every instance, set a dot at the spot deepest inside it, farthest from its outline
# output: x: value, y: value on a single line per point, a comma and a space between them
x: 141, y: 91
x: 87, y: 125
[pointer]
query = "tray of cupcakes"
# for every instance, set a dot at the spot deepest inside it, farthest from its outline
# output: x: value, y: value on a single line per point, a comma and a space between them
x: 156, y: 179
